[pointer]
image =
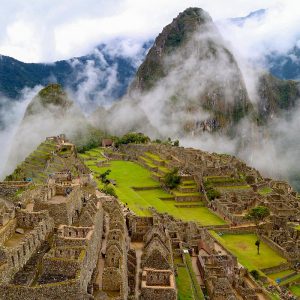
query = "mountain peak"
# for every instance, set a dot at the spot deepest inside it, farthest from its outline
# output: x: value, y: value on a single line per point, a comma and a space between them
x: 195, y: 12
x: 52, y: 98
x: 174, y: 36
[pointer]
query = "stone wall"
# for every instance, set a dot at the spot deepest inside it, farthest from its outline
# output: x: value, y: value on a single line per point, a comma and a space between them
x: 70, y: 290
x: 275, y: 247
x: 18, y: 255
x: 7, y: 230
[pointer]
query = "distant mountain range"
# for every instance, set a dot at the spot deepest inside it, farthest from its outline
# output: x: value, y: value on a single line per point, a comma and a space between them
x: 16, y: 75
x: 285, y: 66
x: 72, y: 73
x: 258, y: 14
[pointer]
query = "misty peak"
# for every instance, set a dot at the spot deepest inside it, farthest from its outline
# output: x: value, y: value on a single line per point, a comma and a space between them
x: 197, y: 13
x: 52, y: 98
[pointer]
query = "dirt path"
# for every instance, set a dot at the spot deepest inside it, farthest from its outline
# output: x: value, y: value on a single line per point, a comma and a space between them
x: 139, y: 251
x: 196, y: 270
x: 101, y: 260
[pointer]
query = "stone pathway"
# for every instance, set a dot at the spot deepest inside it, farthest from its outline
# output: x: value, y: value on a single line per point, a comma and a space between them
x: 138, y: 247
x: 196, y: 270
x: 101, y: 260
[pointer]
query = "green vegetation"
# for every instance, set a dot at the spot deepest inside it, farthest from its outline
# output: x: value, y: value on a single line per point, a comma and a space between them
x: 243, y: 246
x: 109, y: 190
x: 196, y: 287
x: 257, y: 215
x: 184, y: 284
x: 211, y: 192
x: 221, y: 179
x: 103, y: 176
x: 128, y: 175
x: 294, y: 278
x: 265, y: 191
x: 295, y: 289
x: 255, y: 274
x: 172, y: 179
x: 34, y: 165
x: 53, y: 94
x: 132, y: 138
x: 214, y: 185
x: 280, y: 274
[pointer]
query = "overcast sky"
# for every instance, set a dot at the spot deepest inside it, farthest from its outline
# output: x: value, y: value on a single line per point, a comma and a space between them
x: 46, y: 31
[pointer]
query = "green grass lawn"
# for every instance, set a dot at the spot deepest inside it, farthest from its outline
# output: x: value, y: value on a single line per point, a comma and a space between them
x: 295, y: 289
x: 184, y: 284
x: 129, y: 174
x: 243, y: 246
x: 282, y: 274
x: 153, y: 156
x: 292, y: 279
x: 233, y: 187
x: 265, y: 191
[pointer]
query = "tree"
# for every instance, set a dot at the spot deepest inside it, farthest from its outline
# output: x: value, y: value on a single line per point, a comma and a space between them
x: 255, y: 274
x: 132, y: 138
x: 257, y: 215
x: 211, y: 192
x: 103, y: 177
x: 109, y: 190
x: 172, y: 179
x: 176, y: 143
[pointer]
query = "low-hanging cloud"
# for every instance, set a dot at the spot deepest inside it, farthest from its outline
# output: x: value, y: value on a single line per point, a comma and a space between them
x: 156, y: 114
x: 11, y: 114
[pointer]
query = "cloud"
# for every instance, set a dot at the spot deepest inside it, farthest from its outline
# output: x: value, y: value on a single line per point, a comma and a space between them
x: 277, y: 31
x: 45, y: 31
x: 97, y: 83
x: 11, y: 114
x: 202, y: 74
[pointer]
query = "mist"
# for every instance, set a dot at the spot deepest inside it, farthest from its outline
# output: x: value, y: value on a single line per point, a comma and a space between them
x: 166, y: 109
x: 173, y: 108
x: 11, y: 115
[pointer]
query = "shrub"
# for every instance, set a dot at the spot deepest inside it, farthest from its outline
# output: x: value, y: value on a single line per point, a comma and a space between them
x: 255, y: 274
x: 103, y: 176
x: 211, y: 192
x: 109, y: 190
x: 172, y: 179
x: 132, y: 138
x: 176, y: 143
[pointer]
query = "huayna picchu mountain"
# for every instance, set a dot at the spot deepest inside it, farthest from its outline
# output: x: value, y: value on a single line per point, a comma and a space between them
x: 191, y: 76
x: 198, y: 73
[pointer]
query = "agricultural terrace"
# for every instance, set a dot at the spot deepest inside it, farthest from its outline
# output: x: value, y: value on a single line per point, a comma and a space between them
x: 243, y: 247
x: 295, y: 289
x: 130, y: 177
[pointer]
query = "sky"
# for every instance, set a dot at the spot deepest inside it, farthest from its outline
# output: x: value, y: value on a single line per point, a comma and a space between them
x: 46, y: 31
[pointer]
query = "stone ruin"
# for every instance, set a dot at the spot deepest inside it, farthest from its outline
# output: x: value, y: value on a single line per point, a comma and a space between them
x: 238, y: 194
x: 67, y: 239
